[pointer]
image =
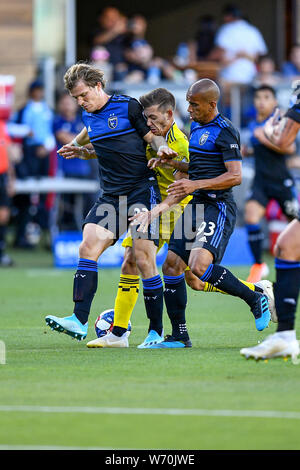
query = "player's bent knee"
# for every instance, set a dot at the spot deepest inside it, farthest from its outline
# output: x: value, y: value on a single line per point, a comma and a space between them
x: 170, y: 269
x: 283, y: 250
x: 146, y: 265
x: 198, y: 268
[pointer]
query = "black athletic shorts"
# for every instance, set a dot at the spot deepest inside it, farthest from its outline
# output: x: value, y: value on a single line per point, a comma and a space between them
x: 112, y: 212
x: 284, y: 192
x: 204, y: 224
x: 4, y: 198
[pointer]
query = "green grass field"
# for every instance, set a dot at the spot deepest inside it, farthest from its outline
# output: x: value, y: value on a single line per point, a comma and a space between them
x: 45, y: 369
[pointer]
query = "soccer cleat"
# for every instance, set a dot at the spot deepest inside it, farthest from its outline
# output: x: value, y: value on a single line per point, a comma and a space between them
x: 267, y: 288
x: 110, y: 341
x: 261, y: 312
x: 273, y: 346
x: 171, y: 343
x: 152, y: 338
x: 69, y: 325
x: 257, y: 272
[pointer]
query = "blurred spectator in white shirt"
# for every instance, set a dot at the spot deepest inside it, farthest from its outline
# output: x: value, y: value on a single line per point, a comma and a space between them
x: 238, y: 45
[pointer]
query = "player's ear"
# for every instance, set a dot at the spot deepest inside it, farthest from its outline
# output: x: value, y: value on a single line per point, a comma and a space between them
x: 99, y: 86
x: 170, y: 113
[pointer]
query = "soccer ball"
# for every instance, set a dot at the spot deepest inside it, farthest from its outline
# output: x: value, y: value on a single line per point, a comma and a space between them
x: 105, y: 322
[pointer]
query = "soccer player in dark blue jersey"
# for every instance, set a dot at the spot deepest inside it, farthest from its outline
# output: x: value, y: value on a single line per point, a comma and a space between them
x: 116, y: 127
x: 209, y: 219
x: 283, y: 343
x: 272, y: 179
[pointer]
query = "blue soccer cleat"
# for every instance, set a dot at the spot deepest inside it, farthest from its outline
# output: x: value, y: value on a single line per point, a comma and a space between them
x: 172, y: 343
x: 152, y: 338
x: 261, y: 312
x: 69, y: 325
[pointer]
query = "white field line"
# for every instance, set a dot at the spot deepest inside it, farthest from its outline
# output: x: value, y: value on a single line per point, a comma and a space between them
x: 153, y: 411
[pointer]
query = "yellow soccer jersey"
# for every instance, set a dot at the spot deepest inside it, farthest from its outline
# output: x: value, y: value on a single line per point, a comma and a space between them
x: 177, y: 141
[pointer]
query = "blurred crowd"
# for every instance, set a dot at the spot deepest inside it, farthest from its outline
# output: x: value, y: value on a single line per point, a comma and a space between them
x: 233, y: 52
x: 236, y: 47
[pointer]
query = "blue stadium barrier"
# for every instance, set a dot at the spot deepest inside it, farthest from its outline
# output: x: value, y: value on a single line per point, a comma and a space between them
x: 66, y: 244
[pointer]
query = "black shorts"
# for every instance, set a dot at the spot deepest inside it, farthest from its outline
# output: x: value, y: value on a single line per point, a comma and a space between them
x: 284, y: 192
x: 112, y: 212
x: 204, y: 224
x: 4, y: 198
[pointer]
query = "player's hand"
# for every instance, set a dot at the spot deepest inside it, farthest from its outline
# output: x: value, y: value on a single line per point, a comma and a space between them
x: 166, y: 152
x: 272, y: 125
x: 159, y: 162
x: 71, y: 151
x: 182, y: 187
x: 143, y: 219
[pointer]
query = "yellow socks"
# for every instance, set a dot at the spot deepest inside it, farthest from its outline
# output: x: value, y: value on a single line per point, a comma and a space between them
x: 210, y: 288
x: 127, y: 295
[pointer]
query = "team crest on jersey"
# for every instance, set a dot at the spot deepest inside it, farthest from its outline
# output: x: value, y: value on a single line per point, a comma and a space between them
x: 112, y: 121
x: 203, y: 138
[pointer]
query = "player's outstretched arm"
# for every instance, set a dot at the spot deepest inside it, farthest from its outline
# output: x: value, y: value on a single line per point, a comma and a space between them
x: 263, y: 139
x: 281, y: 133
x: 144, y: 218
x: 82, y: 138
x: 232, y: 177
x: 76, y: 149
x: 159, y: 145
x: 83, y: 153
x: 181, y: 166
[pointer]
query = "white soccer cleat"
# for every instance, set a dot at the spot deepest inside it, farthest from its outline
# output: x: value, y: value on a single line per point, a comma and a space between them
x: 109, y: 341
x: 267, y: 287
x: 276, y: 345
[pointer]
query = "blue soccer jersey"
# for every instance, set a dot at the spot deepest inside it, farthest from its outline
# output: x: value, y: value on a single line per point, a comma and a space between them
x: 211, y: 146
x: 116, y: 132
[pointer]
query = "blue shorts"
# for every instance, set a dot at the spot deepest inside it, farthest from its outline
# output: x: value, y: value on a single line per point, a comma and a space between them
x: 112, y: 212
x: 204, y: 224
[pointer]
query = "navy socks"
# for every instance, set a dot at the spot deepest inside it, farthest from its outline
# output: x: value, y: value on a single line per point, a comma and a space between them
x: 84, y: 288
x: 176, y: 299
x: 153, y: 297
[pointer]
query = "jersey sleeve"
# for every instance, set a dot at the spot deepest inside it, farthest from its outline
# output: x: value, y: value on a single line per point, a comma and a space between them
x: 228, y: 142
x: 137, y: 118
x: 294, y: 113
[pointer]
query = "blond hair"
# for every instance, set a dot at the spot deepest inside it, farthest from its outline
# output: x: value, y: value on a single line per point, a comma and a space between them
x: 89, y: 74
